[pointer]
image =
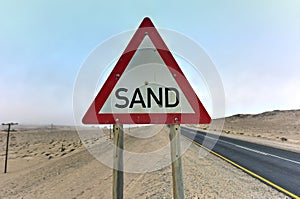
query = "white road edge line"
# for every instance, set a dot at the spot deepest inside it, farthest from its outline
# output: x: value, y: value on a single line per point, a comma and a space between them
x: 253, y: 150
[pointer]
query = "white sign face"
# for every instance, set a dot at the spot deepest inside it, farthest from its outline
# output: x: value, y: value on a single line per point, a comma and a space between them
x: 147, y: 86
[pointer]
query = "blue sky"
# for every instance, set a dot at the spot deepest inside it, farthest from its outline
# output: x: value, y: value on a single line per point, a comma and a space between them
x: 255, y: 46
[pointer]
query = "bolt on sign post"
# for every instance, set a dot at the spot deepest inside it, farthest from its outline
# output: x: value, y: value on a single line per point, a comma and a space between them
x: 146, y: 86
x: 7, y: 143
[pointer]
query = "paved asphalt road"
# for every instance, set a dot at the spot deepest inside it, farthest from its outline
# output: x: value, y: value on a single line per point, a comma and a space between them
x: 278, y: 166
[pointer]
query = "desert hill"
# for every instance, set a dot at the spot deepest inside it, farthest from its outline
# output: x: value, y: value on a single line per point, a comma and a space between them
x: 278, y: 128
x: 274, y: 125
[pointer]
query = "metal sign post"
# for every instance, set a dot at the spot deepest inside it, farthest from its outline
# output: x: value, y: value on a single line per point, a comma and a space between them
x: 174, y: 136
x: 118, y: 178
x: 7, y: 143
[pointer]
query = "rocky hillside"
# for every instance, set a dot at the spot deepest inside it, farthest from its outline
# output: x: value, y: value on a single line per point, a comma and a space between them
x: 280, y: 125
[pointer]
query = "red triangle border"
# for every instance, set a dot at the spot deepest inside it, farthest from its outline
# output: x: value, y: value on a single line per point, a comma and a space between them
x: 92, y: 115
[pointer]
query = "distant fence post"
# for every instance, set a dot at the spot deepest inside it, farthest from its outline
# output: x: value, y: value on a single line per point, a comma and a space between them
x: 7, y: 143
x: 118, y: 178
x: 174, y: 136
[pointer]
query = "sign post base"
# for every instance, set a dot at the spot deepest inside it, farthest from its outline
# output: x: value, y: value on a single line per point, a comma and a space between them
x: 118, y: 178
x: 174, y: 136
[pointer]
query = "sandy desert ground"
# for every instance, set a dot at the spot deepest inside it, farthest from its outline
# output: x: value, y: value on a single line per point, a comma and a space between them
x: 53, y: 163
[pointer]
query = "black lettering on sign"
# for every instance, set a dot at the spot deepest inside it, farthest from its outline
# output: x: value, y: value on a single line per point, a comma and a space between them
x: 136, y: 93
x: 137, y: 98
x: 167, y: 91
x: 126, y: 100
x: 151, y: 93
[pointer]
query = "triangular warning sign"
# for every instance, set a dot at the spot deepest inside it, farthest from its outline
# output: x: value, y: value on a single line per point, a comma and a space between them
x: 146, y: 86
